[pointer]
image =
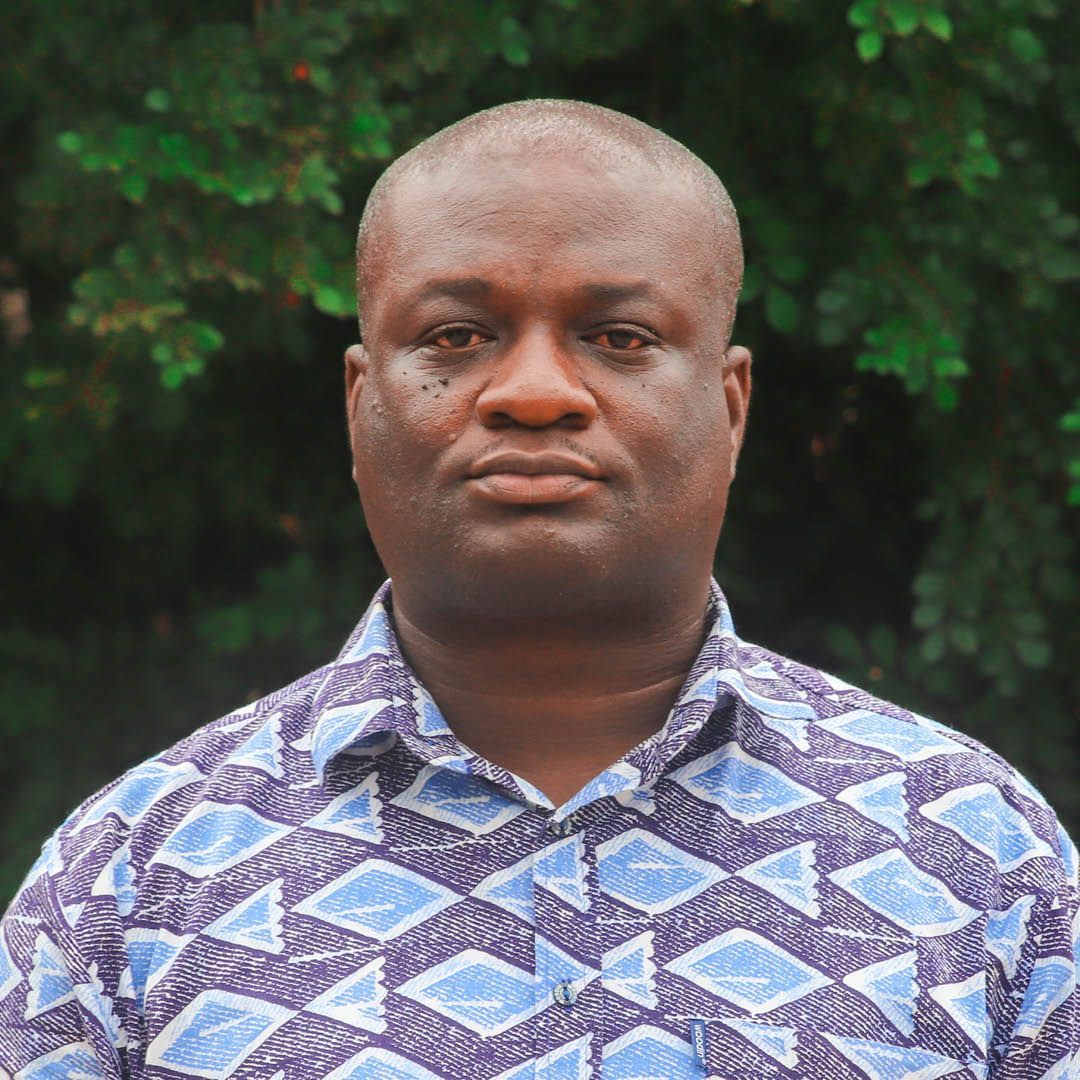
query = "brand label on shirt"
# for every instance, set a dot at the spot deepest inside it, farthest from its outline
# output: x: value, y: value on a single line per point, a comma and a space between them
x: 699, y: 1041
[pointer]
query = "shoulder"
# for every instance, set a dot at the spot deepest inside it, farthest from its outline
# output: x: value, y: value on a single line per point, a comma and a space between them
x: 227, y: 761
x: 955, y: 795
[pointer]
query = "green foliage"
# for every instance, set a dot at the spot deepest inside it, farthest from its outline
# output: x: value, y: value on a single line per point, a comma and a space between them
x: 182, y: 186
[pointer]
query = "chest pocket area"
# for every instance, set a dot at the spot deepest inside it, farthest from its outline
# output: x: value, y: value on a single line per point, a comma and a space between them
x: 734, y: 1049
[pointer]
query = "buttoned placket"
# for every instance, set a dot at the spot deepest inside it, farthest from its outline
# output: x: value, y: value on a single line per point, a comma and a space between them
x: 569, y: 989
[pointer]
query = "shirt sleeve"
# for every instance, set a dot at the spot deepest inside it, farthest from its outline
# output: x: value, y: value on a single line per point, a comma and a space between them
x: 1042, y: 1039
x: 55, y: 1017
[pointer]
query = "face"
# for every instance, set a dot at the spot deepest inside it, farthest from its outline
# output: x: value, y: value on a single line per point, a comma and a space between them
x: 544, y: 415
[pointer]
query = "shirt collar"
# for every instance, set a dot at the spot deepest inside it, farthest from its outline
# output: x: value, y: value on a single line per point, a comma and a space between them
x: 369, y: 698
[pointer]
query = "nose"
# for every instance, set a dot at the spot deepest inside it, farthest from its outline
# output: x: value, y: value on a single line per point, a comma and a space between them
x: 536, y: 384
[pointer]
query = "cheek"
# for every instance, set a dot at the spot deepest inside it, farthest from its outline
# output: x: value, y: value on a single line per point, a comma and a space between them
x: 682, y: 434
x: 401, y: 422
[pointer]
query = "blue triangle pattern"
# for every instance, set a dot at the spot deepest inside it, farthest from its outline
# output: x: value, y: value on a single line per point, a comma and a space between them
x: 1050, y: 984
x: 558, y: 966
x: 629, y: 970
x: 567, y: 1062
x: 429, y: 718
x: 745, y: 787
x: 560, y: 868
x: 375, y: 636
x: 263, y: 749
x: 117, y: 878
x: 357, y: 999
x: 979, y: 815
x: 885, y: 1061
x: 773, y: 1040
x: 149, y: 954
x: 1006, y: 932
x: 775, y: 707
x: 214, y: 1033
x: 50, y: 981
x: 510, y: 889
x: 373, y: 1063
x: 10, y: 975
x: 881, y: 800
x: 255, y: 922
x: 357, y: 812
x: 891, y: 985
x: 647, y: 1051
x: 965, y: 1002
x: 790, y: 876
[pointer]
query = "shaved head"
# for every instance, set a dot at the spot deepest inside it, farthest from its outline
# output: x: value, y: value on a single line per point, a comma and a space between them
x: 591, y: 135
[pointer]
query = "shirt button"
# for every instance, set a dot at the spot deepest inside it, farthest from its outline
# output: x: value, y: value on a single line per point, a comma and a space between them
x: 561, y: 828
x: 564, y: 994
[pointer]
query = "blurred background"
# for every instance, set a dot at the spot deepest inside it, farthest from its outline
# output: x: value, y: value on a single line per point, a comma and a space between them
x: 179, y: 190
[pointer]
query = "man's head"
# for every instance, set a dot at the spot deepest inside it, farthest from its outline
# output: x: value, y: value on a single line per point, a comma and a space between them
x: 547, y: 288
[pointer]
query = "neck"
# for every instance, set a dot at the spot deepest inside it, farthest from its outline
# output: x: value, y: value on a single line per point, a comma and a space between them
x: 555, y: 700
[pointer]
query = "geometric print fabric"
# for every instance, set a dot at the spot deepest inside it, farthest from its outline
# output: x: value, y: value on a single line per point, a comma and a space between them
x: 790, y: 879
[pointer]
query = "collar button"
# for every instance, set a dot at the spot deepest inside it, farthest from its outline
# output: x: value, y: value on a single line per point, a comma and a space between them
x: 561, y: 828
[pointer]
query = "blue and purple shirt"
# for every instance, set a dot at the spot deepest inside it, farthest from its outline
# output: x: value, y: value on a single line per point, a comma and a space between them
x: 790, y: 879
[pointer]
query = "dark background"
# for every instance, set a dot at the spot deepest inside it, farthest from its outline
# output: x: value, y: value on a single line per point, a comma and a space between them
x: 179, y: 190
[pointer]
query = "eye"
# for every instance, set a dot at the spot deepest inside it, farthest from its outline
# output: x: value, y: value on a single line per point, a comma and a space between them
x: 621, y: 339
x: 456, y: 337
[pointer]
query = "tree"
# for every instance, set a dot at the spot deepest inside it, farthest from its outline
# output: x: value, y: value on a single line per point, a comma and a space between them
x: 181, y: 188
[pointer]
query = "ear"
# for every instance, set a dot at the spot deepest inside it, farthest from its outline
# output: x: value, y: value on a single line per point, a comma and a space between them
x: 737, y: 392
x: 356, y: 366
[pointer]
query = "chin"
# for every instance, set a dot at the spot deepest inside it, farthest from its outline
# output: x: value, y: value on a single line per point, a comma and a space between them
x: 547, y: 581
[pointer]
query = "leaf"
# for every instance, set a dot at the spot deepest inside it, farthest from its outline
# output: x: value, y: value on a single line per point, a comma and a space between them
x: 515, y: 42
x: 1025, y: 45
x: 920, y: 173
x: 933, y: 646
x: 71, y: 142
x: 946, y: 396
x: 753, y: 280
x: 831, y: 300
x: 1029, y: 623
x: 135, y: 187
x: 927, y: 615
x: 938, y: 23
x: 781, y: 311
x: 964, y: 637
x: 843, y: 641
x: 869, y: 45
x: 158, y: 100
x: 1061, y: 265
x: 905, y: 16
x: 207, y: 338
x: 334, y: 301
x: 173, y: 376
x: 883, y: 644
x: 788, y: 268
x: 1034, y: 652
x: 930, y: 583
x: 862, y: 14
x: 950, y: 367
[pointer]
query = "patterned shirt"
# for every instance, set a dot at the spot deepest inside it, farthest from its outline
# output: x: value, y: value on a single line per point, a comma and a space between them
x: 790, y: 879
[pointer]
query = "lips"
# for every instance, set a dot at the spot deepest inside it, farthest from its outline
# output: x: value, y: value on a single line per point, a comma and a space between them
x: 549, y: 463
x: 519, y: 478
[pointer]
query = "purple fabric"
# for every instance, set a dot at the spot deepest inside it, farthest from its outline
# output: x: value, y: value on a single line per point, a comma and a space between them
x: 790, y: 879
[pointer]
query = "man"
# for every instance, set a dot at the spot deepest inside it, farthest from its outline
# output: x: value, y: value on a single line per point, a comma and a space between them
x: 546, y: 815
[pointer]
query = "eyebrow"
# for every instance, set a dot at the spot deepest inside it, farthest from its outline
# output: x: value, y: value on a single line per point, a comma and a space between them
x: 474, y: 288
x: 469, y: 288
x: 605, y: 293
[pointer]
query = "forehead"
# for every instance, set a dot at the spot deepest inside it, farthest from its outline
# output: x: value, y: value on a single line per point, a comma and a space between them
x: 524, y: 218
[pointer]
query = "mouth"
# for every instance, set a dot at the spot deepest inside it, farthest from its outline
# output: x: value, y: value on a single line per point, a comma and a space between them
x: 533, y: 479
